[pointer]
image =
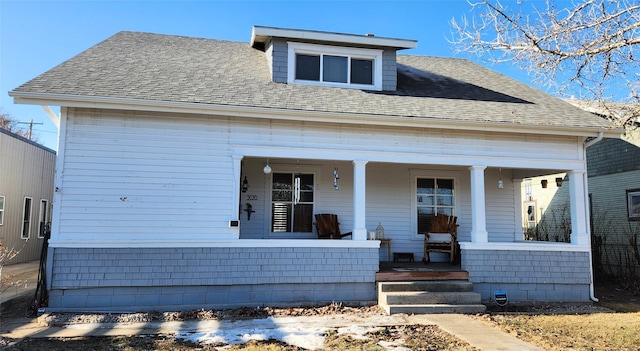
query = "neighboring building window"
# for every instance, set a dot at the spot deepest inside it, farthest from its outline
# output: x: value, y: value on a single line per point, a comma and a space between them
x: 1, y: 210
x: 42, y: 217
x: 340, y: 67
x: 530, y: 215
x: 633, y: 204
x: 435, y: 196
x: 26, y: 217
x: 292, y: 203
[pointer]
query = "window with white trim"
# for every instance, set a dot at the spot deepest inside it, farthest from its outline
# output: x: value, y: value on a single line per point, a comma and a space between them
x: 1, y: 209
x: 333, y: 66
x: 434, y: 196
x: 633, y: 204
x: 26, y: 218
x: 43, y: 217
x: 292, y: 199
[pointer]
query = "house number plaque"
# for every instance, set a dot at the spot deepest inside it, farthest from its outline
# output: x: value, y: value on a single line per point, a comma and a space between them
x: 252, y: 197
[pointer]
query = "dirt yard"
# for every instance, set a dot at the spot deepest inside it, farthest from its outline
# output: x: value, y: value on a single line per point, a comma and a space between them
x: 552, y: 327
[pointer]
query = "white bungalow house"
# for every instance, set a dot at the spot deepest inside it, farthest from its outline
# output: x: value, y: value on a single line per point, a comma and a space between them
x: 164, y: 198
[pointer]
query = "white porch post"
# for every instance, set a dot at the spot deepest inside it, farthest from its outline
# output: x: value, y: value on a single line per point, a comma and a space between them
x: 359, y: 201
x: 237, y: 169
x: 517, y: 198
x: 478, y: 208
x: 578, y: 199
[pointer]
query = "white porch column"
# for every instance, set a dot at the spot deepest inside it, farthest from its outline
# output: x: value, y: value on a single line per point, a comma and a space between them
x: 517, y: 199
x: 578, y: 199
x: 359, y: 231
x: 478, y: 208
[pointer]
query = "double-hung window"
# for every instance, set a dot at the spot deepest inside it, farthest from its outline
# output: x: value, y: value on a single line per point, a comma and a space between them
x: 434, y: 196
x: 292, y: 198
x: 332, y: 66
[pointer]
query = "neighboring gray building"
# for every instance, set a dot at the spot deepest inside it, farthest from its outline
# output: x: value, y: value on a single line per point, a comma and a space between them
x: 27, y: 170
x: 613, y: 166
x: 190, y: 170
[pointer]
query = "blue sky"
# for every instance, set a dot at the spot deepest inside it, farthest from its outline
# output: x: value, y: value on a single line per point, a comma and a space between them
x: 38, y: 35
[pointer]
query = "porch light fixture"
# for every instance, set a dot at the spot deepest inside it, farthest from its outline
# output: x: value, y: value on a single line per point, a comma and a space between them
x: 245, y: 185
x: 544, y: 183
x: 559, y: 182
x: 500, y: 182
x: 267, y: 168
x: 336, y: 176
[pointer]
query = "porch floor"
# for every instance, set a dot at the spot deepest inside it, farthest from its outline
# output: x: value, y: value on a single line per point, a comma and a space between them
x: 403, y: 271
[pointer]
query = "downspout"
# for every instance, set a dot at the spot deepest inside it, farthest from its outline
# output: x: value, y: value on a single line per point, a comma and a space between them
x: 588, y: 144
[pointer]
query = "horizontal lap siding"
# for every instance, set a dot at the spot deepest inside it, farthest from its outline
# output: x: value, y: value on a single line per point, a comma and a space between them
x: 611, y: 221
x: 153, y: 175
x: 409, y: 140
x: 144, y: 177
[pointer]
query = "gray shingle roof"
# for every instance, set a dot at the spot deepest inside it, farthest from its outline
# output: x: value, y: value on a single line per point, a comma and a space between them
x: 153, y: 67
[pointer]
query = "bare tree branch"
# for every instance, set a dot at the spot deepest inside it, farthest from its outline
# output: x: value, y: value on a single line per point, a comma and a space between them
x: 585, y: 49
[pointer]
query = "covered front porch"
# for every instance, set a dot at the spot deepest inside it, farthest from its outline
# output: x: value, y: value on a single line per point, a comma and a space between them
x: 401, y: 196
x: 277, y: 198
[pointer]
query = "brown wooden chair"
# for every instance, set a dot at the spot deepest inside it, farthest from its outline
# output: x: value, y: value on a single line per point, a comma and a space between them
x: 328, y: 227
x: 441, y: 237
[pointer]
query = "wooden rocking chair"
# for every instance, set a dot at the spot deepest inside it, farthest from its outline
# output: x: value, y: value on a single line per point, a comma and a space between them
x: 442, y: 237
x: 328, y: 227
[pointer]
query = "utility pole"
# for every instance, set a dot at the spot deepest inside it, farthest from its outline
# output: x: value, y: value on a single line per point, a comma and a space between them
x: 30, y: 127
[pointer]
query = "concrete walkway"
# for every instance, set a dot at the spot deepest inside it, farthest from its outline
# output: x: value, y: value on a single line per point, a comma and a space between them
x: 303, y: 329
x: 18, y: 280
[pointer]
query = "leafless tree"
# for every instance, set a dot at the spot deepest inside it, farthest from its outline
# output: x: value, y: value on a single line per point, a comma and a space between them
x: 583, y: 47
x: 12, y: 125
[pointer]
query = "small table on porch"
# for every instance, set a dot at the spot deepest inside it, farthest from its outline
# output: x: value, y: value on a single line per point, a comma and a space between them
x: 388, y: 242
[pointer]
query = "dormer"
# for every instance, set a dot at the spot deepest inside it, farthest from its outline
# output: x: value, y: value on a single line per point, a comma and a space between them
x: 307, y: 57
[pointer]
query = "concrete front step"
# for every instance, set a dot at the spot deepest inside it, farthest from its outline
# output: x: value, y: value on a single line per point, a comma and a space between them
x: 432, y: 286
x: 430, y: 298
x: 433, y: 309
x: 435, y: 296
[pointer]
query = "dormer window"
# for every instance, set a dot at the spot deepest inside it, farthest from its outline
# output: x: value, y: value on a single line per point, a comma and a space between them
x: 354, y: 68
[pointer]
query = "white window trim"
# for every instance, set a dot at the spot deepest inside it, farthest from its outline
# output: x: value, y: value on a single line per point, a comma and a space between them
x: 4, y: 204
x: 22, y: 236
x: 315, y: 49
x: 630, y: 195
x: 268, y: 200
x: 415, y: 174
x: 40, y: 219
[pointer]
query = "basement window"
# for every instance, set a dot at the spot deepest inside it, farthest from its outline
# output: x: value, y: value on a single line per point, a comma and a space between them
x: 333, y: 66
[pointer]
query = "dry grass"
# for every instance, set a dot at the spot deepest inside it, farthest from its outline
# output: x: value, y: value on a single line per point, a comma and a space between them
x: 595, y: 331
x: 600, y: 331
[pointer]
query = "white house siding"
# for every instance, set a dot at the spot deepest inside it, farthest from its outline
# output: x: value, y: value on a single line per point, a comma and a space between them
x: 26, y: 170
x: 157, y: 181
x: 142, y: 177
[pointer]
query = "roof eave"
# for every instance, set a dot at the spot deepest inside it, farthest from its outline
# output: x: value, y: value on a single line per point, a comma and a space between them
x: 98, y: 102
x: 261, y: 34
